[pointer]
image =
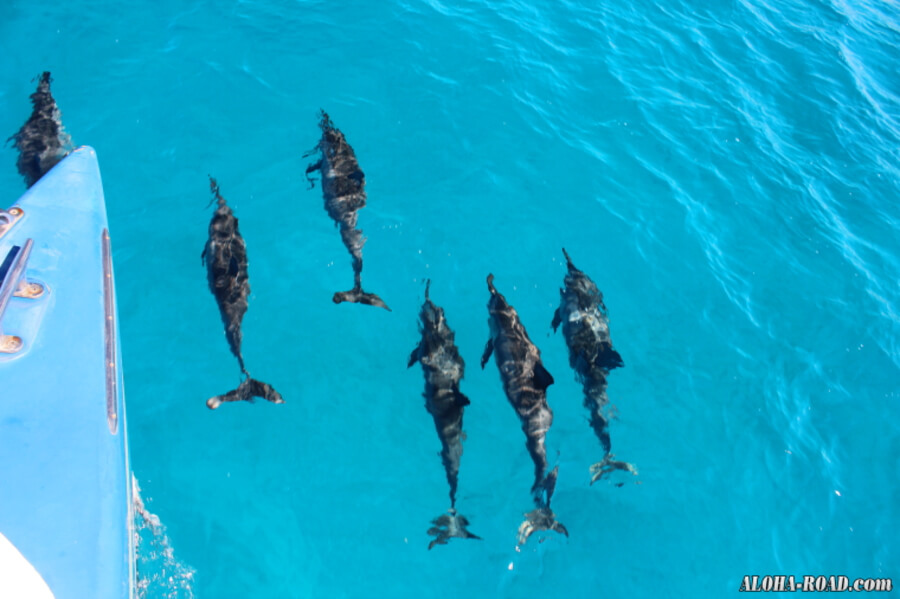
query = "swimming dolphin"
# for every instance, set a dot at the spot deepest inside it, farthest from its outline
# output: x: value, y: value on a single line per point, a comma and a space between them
x: 525, y: 381
x: 225, y: 257
x: 443, y: 368
x: 41, y: 141
x: 343, y: 187
x: 585, y: 323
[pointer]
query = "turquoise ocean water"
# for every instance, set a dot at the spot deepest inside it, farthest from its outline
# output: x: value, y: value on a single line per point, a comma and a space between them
x: 727, y: 172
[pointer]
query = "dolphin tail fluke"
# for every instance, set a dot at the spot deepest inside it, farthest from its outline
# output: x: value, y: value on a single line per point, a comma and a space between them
x: 447, y: 526
x: 246, y: 391
x: 541, y: 518
x: 604, y: 468
x: 358, y: 296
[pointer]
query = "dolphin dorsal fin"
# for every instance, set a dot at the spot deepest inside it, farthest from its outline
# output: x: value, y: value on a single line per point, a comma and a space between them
x: 542, y: 378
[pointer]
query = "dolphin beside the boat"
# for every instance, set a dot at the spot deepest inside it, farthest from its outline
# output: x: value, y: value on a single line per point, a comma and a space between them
x: 525, y: 381
x: 42, y: 142
x: 585, y: 324
x: 225, y: 257
x: 343, y: 187
x: 443, y: 368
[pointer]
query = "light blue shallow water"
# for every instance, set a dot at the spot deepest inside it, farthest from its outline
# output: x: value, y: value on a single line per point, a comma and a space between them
x: 726, y: 172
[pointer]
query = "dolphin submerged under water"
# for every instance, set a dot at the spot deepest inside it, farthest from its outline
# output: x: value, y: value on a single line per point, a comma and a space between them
x: 525, y: 381
x: 585, y: 324
x: 42, y: 141
x: 343, y: 188
x: 225, y: 257
x: 443, y: 368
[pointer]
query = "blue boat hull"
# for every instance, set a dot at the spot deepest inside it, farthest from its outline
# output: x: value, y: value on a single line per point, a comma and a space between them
x: 65, y: 483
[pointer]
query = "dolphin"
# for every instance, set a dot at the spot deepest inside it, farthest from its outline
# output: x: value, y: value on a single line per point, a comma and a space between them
x: 225, y: 257
x: 585, y: 324
x: 343, y: 187
x: 42, y: 142
x: 525, y: 381
x: 443, y: 368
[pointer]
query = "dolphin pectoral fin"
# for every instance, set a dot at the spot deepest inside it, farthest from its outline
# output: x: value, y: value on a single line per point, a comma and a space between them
x: 461, y: 400
x: 309, y: 153
x: 414, y: 356
x: 488, y: 350
x: 542, y: 378
x: 315, y: 166
x: 447, y: 526
x: 557, y: 320
x: 609, y: 465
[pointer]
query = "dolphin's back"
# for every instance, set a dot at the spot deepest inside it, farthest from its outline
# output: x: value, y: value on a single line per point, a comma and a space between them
x: 525, y: 380
x: 444, y: 368
x: 585, y: 321
x: 225, y: 256
x: 343, y: 189
x: 42, y: 142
